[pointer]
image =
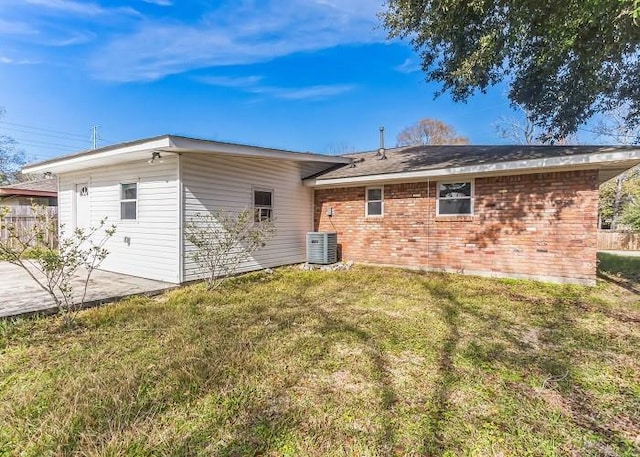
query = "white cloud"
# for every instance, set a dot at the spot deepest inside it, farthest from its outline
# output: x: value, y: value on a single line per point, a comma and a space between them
x: 81, y: 8
x: 8, y: 61
x: 159, y: 2
x: 251, y: 85
x: 227, y: 81
x: 16, y: 28
x: 319, y: 92
x: 236, y: 33
x: 72, y: 39
x: 408, y: 66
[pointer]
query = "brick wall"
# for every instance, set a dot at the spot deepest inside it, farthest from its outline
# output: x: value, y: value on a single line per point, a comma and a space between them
x: 537, y: 225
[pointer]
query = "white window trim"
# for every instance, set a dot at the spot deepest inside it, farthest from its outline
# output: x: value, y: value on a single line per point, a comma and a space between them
x: 122, y: 200
x: 472, y: 197
x: 273, y: 200
x: 366, y: 201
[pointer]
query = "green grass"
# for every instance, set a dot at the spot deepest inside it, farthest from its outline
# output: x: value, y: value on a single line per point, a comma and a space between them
x: 31, y: 253
x: 365, y: 362
x: 627, y: 266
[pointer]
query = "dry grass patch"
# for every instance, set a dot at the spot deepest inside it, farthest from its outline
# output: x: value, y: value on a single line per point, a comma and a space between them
x: 365, y: 362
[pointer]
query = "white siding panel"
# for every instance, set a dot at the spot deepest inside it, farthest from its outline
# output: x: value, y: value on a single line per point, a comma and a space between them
x: 218, y: 182
x: 154, y: 236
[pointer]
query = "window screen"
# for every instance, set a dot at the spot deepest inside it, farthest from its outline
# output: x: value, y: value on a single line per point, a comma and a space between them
x: 263, y: 205
x: 129, y: 201
x: 455, y: 198
x: 374, y: 201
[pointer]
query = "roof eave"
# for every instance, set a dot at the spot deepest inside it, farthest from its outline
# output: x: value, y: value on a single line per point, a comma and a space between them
x: 80, y: 159
x: 136, y: 150
x: 622, y: 160
x: 27, y: 193
x: 183, y: 144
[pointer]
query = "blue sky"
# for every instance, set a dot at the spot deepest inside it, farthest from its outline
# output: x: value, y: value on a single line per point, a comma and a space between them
x: 295, y: 74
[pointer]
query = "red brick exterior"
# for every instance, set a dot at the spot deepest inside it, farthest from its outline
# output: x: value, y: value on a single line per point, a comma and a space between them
x: 537, y: 225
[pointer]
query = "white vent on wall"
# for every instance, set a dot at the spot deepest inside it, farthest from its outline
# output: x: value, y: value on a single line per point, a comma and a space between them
x: 322, y: 247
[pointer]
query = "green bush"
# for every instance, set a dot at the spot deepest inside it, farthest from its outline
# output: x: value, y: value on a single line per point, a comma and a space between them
x: 631, y: 216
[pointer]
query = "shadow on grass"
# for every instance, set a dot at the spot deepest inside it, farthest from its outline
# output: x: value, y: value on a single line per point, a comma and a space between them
x: 262, y: 425
x: 449, y: 307
x: 550, y: 356
x: 382, y: 376
x: 621, y: 270
x: 225, y: 368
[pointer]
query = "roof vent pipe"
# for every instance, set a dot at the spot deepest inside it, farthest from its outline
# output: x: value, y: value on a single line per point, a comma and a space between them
x: 381, y: 151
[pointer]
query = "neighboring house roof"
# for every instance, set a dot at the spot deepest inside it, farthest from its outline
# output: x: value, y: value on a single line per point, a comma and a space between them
x: 416, y: 162
x: 40, y: 188
x: 170, y: 144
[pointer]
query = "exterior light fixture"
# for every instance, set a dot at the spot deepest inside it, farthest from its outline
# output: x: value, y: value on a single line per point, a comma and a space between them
x: 155, y: 158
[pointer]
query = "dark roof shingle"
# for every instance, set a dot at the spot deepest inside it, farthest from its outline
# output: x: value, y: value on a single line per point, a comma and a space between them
x: 419, y: 158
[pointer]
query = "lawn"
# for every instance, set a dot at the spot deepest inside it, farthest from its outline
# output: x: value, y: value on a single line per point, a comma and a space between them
x: 362, y: 362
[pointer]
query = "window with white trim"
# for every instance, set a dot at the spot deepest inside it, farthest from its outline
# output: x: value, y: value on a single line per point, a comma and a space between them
x: 129, y: 201
x: 375, y: 201
x: 455, y: 198
x: 262, y: 205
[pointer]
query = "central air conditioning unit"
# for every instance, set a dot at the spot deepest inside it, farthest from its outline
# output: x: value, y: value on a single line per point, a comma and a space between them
x: 322, y: 247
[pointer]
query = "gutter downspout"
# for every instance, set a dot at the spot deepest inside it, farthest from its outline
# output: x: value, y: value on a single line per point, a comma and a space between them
x: 428, y: 224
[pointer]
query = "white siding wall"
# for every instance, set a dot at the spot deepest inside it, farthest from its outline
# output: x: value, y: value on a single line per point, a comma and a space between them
x: 154, y: 237
x: 212, y: 182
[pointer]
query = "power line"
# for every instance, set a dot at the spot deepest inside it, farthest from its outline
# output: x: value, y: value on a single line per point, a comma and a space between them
x: 31, y: 127
x: 50, y: 148
x: 49, y: 135
x: 47, y: 144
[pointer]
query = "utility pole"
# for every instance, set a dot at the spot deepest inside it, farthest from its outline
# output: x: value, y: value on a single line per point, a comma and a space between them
x: 94, y: 136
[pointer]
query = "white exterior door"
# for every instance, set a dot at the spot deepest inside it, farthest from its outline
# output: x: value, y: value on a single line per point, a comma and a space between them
x: 82, y: 209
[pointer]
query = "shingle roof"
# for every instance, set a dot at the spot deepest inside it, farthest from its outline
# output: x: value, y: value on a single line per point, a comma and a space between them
x: 419, y: 158
x: 39, y: 187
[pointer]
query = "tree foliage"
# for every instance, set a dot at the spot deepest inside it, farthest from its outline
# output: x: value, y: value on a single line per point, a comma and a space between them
x: 11, y: 158
x: 564, y: 60
x: 616, y: 195
x: 429, y: 131
x: 55, y: 269
x: 631, y: 216
x: 222, y: 241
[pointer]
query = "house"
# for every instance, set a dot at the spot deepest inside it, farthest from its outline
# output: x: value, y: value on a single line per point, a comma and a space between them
x: 514, y: 211
x: 152, y: 187
x: 503, y: 211
x: 42, y: 192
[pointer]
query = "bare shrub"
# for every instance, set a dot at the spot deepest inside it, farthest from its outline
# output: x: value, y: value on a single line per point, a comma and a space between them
x: 224, y: 240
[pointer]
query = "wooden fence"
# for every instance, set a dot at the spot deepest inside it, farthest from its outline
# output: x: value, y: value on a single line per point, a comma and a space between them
x: 609, y: 240
x: 23, y: 219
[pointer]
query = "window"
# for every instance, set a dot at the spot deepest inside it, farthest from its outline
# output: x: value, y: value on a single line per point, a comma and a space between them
x: 263, y: 205
x: 374, y: 201
x: 455, y: 199
x: 129, y: 201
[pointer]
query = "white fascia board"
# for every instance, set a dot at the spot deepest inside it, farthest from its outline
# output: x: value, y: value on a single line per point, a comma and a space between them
x: 180, y: 144
x: 85, y: 159
x: 582, y: 161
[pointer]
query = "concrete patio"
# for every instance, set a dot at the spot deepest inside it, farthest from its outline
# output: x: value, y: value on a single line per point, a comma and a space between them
x: 20, y: 295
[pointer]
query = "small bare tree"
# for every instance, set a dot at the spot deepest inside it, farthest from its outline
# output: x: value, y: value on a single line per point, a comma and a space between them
x: 428, y: 132
x: 11, y: 157
x: 523, y: 130
x: 54, y: 268
x: 223, y: 240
